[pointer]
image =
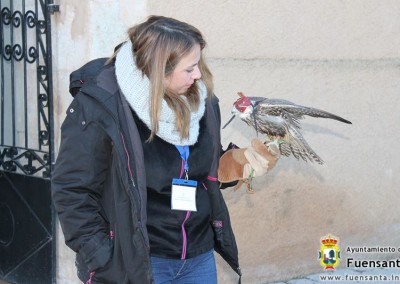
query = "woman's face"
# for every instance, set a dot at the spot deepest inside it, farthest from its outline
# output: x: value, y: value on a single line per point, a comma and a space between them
x: 185, y: 72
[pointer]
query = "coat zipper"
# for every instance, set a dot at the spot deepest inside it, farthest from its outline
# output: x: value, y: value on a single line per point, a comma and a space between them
x: 184, y: 236
x: 133, y: 183
x: 90, y: 278
x: 128, y: 160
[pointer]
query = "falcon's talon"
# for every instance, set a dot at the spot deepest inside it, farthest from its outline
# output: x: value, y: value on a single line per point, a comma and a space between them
x: 273, y: 143
x: 248, y: 181
x: 273, y: 147
x: 250, y: 190
x: 251, y: 175
x: 249, y: 186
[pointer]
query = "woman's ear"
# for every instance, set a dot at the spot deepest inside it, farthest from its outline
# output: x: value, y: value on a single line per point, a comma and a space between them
x: 167, y: 81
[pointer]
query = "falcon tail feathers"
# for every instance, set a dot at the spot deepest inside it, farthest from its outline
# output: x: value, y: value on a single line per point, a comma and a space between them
x: 299, y: 147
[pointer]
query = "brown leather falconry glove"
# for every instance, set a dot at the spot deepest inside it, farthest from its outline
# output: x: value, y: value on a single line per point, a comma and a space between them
x: 243, y: 165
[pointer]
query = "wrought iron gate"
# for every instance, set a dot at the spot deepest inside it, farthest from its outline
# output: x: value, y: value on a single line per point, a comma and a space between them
x: 27, y: 222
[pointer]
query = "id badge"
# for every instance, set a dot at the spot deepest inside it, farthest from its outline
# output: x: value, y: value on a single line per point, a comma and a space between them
x: 183, y: 195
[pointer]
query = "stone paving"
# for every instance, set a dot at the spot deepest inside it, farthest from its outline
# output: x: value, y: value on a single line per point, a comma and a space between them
x: 350, y: 276
x: 343, y: 276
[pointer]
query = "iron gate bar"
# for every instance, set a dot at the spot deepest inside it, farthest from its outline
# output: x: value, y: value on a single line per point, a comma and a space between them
x: 51, y: 9
x: 14, y: 49
x: 3, y: 17
x: 41, y: 70
x: 25, y: 45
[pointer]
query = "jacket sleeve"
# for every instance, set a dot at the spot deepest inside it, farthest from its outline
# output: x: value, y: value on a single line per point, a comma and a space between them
x: 77, y: 183
x: 224, y: 239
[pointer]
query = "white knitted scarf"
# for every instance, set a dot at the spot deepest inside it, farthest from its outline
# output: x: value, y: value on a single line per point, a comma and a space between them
x: 136, y: 89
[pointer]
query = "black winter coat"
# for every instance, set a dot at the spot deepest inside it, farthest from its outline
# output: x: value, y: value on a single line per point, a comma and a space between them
x: 99, y: 186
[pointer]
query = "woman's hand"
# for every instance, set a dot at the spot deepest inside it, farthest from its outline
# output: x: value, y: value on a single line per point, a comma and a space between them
x: 247, y: 163
x: 260, y: 159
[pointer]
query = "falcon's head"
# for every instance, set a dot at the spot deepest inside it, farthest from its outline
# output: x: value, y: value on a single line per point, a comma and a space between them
x: 243, y: 105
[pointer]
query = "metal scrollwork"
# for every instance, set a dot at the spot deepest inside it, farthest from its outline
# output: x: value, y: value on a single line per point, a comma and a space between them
x: 7, y: 54
x: 28, y: 161
x: 30, y: 19
x: 19, y: 51
x: 44, y: 137
x: 6, y: 16
x: 32, y: 55
x: 25, y: 53
x: 42, y: 27
x: 16, y: 18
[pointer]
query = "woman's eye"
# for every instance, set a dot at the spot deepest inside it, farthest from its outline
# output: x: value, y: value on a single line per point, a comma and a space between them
x: 189, y: 70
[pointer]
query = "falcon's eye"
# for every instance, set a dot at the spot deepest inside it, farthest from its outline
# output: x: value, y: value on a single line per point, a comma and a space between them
x: 242, y: 103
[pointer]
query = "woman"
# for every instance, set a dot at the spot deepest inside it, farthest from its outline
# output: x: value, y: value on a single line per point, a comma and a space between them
x: 135, y: 183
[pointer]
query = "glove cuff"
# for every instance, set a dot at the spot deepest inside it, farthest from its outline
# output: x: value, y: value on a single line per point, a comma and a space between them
x: 231, y: 165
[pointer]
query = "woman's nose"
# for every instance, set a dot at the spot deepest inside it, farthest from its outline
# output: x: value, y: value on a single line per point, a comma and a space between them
x: 196, y: 73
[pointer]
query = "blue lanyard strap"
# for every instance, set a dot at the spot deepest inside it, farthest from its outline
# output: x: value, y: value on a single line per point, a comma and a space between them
x: 184, y: 152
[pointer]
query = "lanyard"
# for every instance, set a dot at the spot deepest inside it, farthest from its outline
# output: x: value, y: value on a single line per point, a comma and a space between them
x: 184, y: 152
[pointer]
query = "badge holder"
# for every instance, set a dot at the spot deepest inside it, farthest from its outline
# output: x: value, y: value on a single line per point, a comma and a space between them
x: 183, y: 195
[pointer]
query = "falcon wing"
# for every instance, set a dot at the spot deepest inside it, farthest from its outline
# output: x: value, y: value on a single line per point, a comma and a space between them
x: 289, y: 110
x: 276, y: 117
x: 270, y: 125
x: 278, y: 108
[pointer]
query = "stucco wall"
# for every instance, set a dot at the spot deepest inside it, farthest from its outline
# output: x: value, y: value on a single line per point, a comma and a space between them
x: 341, y: 56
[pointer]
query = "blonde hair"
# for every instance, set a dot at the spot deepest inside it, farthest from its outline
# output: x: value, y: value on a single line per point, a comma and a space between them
x: 158, y: 45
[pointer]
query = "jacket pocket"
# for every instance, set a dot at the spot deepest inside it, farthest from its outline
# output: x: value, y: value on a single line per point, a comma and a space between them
x: 103, y: 270
x: 93, y: 256
x: 113, y: 272
x: 97, y: 252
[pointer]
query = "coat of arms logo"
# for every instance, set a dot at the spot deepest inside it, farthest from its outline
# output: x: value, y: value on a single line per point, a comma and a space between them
x: 329, y: 253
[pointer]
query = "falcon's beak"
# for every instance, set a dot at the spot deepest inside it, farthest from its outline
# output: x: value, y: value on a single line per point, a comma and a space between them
x: 230, y: 120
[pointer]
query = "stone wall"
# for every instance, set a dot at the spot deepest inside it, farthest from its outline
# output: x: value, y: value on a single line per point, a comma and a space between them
x: 340, y: 56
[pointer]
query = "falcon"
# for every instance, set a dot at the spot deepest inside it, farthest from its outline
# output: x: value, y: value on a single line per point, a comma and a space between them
x: 279, y: 120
